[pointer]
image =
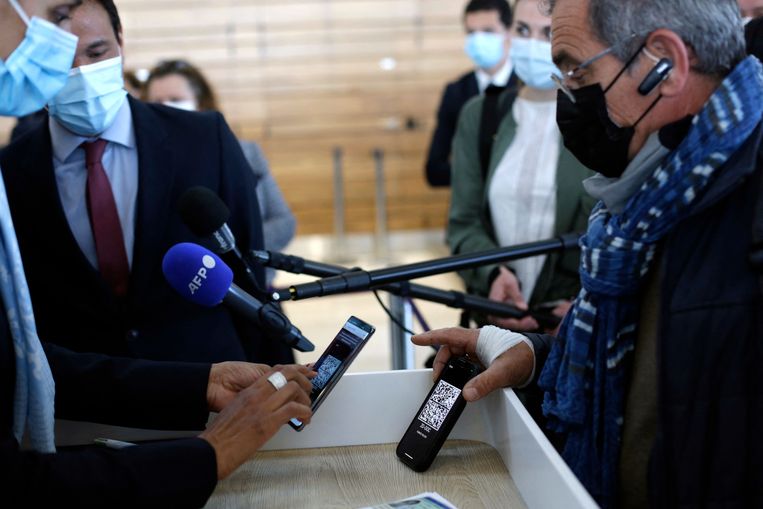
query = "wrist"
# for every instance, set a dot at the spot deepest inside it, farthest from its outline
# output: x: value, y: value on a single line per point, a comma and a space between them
x: 493, y: 342
x: 223, y: 469
x: 211, y: 386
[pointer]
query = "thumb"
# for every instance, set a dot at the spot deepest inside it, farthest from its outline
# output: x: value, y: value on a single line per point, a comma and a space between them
x: 482, y: 385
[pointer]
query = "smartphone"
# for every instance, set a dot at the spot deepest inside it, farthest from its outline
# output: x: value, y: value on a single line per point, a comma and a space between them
x: 347, y: 344
x: 437, y: 415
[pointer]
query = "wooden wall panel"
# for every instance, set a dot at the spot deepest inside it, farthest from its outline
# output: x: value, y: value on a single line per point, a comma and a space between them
x: 301, y: 77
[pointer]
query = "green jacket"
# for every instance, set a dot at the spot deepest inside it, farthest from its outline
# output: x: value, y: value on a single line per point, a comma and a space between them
x: 469, y: 223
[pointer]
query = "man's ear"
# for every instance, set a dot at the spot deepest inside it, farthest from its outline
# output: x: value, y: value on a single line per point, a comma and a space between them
x: 667, y: 44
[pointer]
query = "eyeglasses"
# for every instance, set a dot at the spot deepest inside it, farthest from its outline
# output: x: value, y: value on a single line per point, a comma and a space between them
x: 577, y: 71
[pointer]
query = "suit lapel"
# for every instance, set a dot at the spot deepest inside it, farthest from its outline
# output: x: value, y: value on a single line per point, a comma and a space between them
x: 35, y: 185
x: 155, y: 179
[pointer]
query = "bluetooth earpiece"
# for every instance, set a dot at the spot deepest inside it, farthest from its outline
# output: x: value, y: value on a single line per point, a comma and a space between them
x: 657, y: 75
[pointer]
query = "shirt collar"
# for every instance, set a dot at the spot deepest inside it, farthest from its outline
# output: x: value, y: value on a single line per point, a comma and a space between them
x: 66, y: 142
x: 499, y: 79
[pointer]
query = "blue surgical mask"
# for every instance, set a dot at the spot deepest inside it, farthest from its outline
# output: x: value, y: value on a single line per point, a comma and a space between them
x: 91, y: 99
x: 37, y: 68
x: 486, y: 49
x: 532, y: 63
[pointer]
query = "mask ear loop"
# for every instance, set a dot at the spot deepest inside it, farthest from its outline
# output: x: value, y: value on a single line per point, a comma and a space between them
x: 651, y: 106
x: 627, y: 65
x: 19, y: 11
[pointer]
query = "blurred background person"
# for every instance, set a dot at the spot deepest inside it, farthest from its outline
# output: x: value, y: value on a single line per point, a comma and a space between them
x: 179, y: 84
x: 133, y: 84
x: 487, y: 25
x: 531, y: 188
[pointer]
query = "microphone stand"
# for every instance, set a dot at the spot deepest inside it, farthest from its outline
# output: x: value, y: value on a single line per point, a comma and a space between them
x: 450, y: 298
x: 359, y: 280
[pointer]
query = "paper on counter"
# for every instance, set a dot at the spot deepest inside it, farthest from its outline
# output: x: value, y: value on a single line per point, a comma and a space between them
x: 421, y: 501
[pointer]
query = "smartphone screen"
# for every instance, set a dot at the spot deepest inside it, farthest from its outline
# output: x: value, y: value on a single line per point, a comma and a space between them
x: 332, y: 364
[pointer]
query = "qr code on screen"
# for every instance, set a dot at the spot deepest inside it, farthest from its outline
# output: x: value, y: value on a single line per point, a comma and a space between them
x: 328, y: 367
x: 438, y: 406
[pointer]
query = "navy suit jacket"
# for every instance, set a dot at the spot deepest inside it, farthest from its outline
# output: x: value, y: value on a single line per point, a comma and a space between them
x: 74, y: 306
x: 454, y: 97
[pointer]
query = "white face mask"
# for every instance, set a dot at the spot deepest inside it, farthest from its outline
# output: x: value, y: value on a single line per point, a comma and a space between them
x: 746, y: 20
x: 188, y: 105
x: 89, y: 102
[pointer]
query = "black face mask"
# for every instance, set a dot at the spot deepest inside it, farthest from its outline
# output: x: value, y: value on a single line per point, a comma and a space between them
x: 590, y: 134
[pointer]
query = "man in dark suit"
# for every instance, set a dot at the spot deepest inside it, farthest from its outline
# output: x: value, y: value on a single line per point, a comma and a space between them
x: 487, y: 25
x: 97, y: 285
x: 35, y: 385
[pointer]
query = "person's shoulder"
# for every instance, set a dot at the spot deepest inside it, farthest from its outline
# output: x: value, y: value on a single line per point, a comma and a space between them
x: 29, y: 142
x: 463, y: 85
x: 176, y: 122
x: 173, y: 115
x: 472, y: 110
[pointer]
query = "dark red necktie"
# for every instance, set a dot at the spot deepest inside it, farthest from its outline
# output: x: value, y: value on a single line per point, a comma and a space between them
x: 104, y: 219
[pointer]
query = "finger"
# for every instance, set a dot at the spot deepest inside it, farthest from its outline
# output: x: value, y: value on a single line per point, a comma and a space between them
x: 293, y: 410
x: 291, y: 392
x: 293, y: 375
x: 440, y: 361
x: 455, y: 337
x: 293, y: 371
x: 304, y: 384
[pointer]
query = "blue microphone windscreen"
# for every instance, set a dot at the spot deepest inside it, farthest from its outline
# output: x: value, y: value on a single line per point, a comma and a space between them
x: 197, y: 274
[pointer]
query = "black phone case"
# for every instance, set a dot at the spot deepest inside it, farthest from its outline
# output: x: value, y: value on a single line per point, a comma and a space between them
x: 417, y: 452
x: 339, y: 372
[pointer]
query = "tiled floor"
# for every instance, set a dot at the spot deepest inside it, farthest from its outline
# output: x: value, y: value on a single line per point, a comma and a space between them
x: 320, y: 318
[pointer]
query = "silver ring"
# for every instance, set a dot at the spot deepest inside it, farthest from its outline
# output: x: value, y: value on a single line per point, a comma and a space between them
x: 277, y: 380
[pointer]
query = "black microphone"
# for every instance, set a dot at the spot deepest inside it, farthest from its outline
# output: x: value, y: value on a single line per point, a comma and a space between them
x: 200, y: 276
x: 206, y: 215
x: 363, y: 280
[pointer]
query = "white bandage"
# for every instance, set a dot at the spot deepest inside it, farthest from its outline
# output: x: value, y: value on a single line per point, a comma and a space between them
x: 494, y: 341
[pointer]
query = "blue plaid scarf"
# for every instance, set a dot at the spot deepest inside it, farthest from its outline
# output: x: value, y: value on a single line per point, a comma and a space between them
x: 585, y: 377
x: 34, y: 395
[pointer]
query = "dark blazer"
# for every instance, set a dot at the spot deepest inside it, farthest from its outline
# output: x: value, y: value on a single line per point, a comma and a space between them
x: 74, y: 306
x: 159, y: 395
x: 454, y: 97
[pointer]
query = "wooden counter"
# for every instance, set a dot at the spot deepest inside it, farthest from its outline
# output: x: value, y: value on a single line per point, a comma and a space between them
x: 469, y: 474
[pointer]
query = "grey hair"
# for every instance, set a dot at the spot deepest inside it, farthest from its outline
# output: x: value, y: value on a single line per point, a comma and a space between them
x: 712, y: 28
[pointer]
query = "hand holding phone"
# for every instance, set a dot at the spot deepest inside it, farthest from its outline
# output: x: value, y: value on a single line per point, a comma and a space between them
x: 437, y: 415
x: 332, y: 364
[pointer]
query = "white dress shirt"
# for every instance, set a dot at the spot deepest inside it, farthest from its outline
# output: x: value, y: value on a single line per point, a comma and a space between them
x: 499, y: 79
x: 522, y: 194
x: 120, y: 160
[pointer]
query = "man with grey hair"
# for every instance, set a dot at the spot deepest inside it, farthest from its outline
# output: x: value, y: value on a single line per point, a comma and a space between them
x: 653, y: 383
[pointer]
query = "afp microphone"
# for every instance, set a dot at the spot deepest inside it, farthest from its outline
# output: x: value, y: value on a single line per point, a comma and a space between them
x: 200, y: 276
